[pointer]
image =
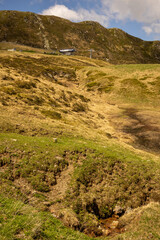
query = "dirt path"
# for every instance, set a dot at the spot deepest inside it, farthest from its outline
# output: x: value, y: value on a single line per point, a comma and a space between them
x: 58, y: 191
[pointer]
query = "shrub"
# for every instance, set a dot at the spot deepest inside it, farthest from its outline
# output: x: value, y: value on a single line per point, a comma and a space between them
x: 92, y: 84
x: 52, y: 114
x: 79, y: 107
x: 8, y: 90
x: 33, y: 99
x: 25, y: 84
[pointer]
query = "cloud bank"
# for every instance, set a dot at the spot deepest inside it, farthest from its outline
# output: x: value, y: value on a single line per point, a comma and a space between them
x: 80, y: 15
x: 146, y: 12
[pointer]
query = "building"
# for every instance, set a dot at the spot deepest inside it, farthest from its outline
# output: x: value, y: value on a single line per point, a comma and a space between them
x: 12, y: 50
x: 68, y: 52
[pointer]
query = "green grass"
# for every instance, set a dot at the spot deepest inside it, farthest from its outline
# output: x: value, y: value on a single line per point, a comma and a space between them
x: 134, y: 90
x: 110, y: 176
x: 92, y: 84
x: 21, y: 221
x: 137, y: 67
x: 41, y: 101
x: 104, y: 175
x: 146, y: 227
x: 35, y: 160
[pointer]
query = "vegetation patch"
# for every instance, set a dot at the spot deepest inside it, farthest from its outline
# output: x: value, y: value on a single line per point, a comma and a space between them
x: 79, y: 107
x: 33, y: 99
x: 104, y: 181
x: 80, y: 170
x: 52, y: 114
x: 92, y: 84
x: 8, y: 90
x: 106, y: 88
x: 21, y: 221
x: 25, y: 84
x: 35, y: 163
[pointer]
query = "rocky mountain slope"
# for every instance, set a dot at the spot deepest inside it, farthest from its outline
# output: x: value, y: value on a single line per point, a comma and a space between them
x: 79, y: 148
x: 51, y: 32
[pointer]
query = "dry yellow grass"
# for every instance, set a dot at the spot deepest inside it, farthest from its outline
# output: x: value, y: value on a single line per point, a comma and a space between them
x: 88, y: 103
x: 88, y: 94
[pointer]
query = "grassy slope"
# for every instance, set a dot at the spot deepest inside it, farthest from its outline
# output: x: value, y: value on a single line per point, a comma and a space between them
x: 51, y: 32
x: 90, y: 170
x: 21, y: 221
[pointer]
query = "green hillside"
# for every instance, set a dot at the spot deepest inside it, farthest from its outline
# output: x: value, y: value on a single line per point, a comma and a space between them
x: 79, y: 148
x: 54, y: 33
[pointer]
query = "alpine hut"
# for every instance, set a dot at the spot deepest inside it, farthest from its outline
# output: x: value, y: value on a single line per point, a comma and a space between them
x: 68, y: 51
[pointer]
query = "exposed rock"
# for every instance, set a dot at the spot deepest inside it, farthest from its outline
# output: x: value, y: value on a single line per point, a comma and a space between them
x: 114, y: 224
x: 55, y: 140
x: 106, y: 232
x: 118, y: 210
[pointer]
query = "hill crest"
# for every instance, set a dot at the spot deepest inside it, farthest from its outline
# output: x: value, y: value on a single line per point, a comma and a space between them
x: 51, y: 32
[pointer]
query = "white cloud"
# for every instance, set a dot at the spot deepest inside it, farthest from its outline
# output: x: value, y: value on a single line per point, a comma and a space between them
x: 80, y: 15
x: 153, y: 28
x: 156, y: 27
x: 146, y: 12
x: 148, y: 30
x: 62, y: 11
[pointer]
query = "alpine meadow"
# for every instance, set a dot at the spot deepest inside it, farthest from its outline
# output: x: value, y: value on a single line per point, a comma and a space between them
x: 79, y: 136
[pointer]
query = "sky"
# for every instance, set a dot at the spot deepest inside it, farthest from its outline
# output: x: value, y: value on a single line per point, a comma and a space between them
x: 140, y: 18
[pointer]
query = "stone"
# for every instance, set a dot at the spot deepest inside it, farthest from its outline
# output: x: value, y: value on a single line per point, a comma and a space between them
x: 47, y: 203
x: 50, y: 75
x: 106, y: 232
x: 59, y: 158
x: 118, y: 210
x: 128, y: 210
x: 114, y: 224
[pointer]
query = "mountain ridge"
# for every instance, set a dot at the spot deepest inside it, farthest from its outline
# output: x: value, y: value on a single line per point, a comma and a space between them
x: 54, y: 33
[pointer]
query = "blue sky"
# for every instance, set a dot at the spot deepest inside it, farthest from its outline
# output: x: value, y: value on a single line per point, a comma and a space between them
x: 140, y: 18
